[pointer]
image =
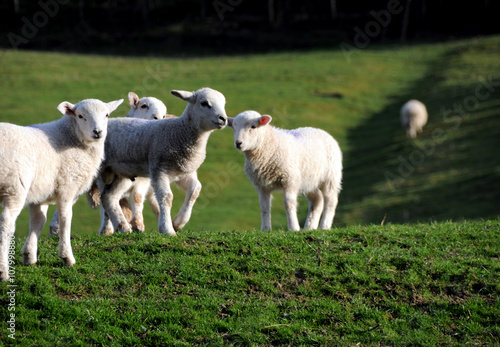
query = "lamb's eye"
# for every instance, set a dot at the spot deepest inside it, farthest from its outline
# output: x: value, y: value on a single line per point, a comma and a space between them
x: 144, y: 106
x: 107, y: 115
x: 253, y: 127
x: 205, y: 103
x: 80, y: 116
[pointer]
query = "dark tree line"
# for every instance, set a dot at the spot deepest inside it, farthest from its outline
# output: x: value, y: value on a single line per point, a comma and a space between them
x: 70, y: 24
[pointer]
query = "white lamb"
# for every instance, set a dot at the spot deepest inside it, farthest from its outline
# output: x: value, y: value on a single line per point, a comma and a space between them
x: 301, y: 161
x: 145, y: 108
x: 45, y: 164
x: 149, y: 108
x: 413, y: 117
x: 168, y: 150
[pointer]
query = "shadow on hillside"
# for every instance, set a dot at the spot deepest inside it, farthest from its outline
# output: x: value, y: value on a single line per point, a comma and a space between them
x: 452, y: 171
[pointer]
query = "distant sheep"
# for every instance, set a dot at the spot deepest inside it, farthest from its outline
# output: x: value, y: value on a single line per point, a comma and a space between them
x: 301, y: 161
x: 413, y: 117
x: 45, y: 164
x: 167, y: 151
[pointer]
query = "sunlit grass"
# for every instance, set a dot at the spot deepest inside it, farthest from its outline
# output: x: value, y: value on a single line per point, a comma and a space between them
x: 423, y: 284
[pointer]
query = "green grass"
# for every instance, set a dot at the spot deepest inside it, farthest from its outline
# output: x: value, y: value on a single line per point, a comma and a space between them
x: 418, y: 285
x: 430, y: 281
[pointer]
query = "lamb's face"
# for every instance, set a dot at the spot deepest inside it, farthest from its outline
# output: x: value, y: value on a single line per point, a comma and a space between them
x: 146, y: 108
x: 91, y: 117
x: 207, y: 105
x: 248, y: 129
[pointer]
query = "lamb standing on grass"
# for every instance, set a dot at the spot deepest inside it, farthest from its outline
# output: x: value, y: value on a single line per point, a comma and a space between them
x: 413, y: 117
x: 49, y: 163
x: 301, y: 161
x: 168, y: 150
x: 145, y: 108
x: 148, y: 108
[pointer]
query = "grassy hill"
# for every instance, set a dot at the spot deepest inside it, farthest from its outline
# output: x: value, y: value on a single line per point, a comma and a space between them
x: 405, y: 285
x: 428, y: 276
x: 452, y: 170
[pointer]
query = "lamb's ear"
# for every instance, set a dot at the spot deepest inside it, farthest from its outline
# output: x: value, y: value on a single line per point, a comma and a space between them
x: 230, y: 122
x: 67, y: 108
x: 133, y: 99
x: 113, y: 105
x: 184, y: 95
x: 265, y: 119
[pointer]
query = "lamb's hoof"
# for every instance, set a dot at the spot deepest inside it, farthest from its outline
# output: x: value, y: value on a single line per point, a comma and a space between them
x: 124, y: 227
x: 68, y: 261
x: 177, y: 224
x: 168, y: 232
x: 4, y: 276
x: 29, y: 258
x: 54, y: 231
x: 138, y: 227
x: 106, y: 232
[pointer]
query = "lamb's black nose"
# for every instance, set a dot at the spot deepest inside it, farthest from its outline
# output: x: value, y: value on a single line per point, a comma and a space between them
x: 97, y: 133
x: 238, y: 144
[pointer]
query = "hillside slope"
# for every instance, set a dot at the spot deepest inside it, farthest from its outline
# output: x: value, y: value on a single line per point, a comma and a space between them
x: 452, y: 171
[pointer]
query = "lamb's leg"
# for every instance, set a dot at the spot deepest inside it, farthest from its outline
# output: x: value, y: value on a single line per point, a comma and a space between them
x: 315, y: 208
x: 331, y: 200
x: 54, y: 224
x: 290, y: 202
x: 38, y: 218
x: 65, y: 208
x: 126, y: 209
x: 161, y: 185
x: 192, y: 187
x: 110, y: 197
x: 106, y: 225
x: 153, y: 203
x: 139, y: 191
x: 265, y: 209
x: 12, y: 209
